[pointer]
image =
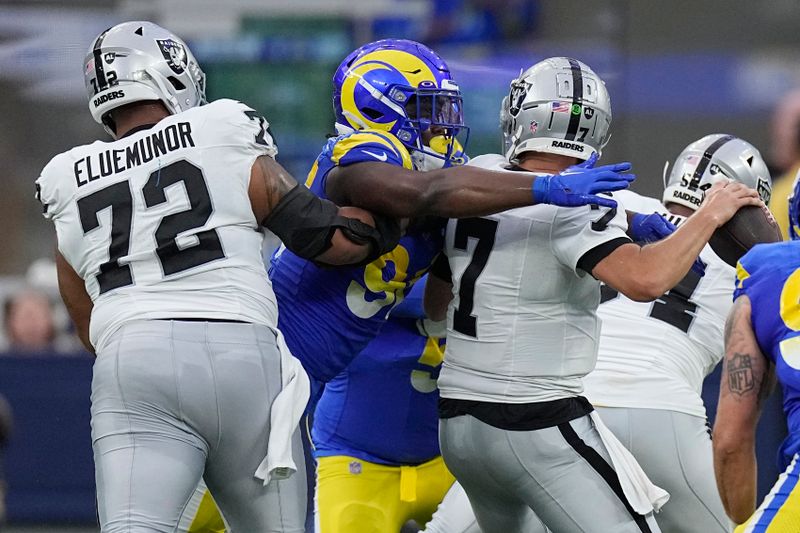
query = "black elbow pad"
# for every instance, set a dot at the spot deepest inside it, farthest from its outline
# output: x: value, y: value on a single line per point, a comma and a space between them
x: 306, y: 224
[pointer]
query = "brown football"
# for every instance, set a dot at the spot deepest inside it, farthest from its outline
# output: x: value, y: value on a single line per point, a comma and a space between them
x: 750, y: 225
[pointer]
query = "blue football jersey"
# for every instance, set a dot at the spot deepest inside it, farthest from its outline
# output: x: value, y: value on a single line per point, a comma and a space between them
x: 383, y: 407
x: 329, y: 315
x: 769, y: 274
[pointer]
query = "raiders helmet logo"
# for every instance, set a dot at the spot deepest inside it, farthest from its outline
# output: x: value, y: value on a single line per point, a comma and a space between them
x: 515, y: 99
x: 588, y: 112
x: 764, y: 190
x: 109, y: 57
x: 174, y: 53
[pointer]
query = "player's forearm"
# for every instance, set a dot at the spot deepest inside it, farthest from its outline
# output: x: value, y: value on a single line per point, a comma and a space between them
x: 735, y: 470
x: 77, y: 301
x: 663, y: 264
x: 471, y: 192
x: 438, y: 294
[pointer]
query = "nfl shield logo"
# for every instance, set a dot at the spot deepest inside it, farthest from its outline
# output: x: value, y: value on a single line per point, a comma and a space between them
x: 174, y: 53
x: 533, y: 127
x: 355, y: 467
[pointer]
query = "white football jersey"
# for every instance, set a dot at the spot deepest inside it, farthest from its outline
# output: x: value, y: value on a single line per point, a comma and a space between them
x: 159, y: 223
x: 522, y: 325
x: 656, y: 354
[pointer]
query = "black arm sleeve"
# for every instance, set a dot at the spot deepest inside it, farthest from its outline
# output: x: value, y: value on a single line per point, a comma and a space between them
x: 589, y: 260
x: 306, y: 224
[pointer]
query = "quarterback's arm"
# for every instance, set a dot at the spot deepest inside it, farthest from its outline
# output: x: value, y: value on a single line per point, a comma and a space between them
x: 644, y: 273
x: 76, y: 299
x: 747, y: 380
x: 466, y: 191
x: 438, y: 294
x: 312, y: 227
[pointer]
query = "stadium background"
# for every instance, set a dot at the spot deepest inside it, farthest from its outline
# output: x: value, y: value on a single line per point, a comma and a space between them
x: 675, y: 71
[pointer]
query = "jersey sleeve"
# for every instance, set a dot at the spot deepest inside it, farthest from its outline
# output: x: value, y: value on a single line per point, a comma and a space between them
x: 241, y: 125
x: 51, y: 191
x: 580, y: 231
x: 370, y: 146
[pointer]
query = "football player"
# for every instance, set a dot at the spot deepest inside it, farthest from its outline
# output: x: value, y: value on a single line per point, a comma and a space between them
x: 159, y: 264
x: 653, y: 357
x: 522, y: 327
x: 376, y: 431
x: 398, y: 111
x: 761, y: 344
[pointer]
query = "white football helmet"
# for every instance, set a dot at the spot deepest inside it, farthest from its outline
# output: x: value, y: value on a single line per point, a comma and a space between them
x: 137, y: 61
x: 558, y: 105
x: 710, y: 159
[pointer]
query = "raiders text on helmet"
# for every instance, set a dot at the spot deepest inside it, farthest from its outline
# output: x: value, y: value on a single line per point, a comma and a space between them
x: 710, y: 159
x: 138, y: 61
x: 559, y: 106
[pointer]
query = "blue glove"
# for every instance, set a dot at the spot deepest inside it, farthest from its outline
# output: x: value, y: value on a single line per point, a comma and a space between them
x: 699, y: 267
x: 654, y: 227
x: 578, y: 184
x: 650, y: 228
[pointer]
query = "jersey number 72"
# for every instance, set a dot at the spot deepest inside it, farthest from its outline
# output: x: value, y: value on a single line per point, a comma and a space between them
x: 173, y: 259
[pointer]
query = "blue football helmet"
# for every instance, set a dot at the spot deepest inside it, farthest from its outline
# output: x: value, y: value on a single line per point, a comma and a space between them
x: 404, y: 88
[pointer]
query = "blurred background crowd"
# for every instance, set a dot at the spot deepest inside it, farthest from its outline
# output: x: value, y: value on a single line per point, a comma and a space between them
x: 676, y: 71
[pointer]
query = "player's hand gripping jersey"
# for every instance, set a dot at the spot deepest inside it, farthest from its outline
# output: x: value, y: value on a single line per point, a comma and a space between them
x: 769, y: 276
x: 656, y: 354
x: 329, y: 316
x: 524, y: 327
x: 148, y: 223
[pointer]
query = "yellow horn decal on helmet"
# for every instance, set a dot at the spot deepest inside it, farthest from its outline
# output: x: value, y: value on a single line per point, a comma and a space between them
x: 349, y: 94
x: 412, y: 68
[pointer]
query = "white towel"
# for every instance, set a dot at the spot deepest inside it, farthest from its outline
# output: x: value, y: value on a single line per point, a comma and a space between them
x: 644, y: 496
x: 284, y: 417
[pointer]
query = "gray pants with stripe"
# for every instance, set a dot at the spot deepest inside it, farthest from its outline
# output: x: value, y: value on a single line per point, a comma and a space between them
x: 174, y: 401
x: 675, y: 450
x: 562, y: 475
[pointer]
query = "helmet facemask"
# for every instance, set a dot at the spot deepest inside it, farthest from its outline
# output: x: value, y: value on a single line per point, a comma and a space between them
x: 434, y: 121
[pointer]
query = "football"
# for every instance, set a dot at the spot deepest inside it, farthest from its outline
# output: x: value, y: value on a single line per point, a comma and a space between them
x: 750, y: 225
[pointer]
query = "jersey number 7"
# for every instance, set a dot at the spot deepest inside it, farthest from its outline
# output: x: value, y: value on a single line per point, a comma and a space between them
x: 483, y: 229
x: 173, y: 259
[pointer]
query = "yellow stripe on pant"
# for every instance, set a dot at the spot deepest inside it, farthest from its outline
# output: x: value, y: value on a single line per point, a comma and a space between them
x: 356, y: 495
x: 207, y: 519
